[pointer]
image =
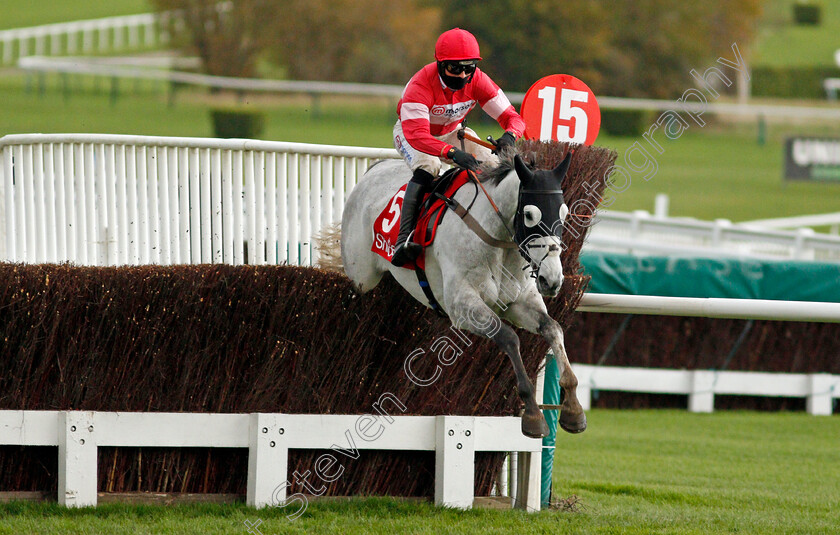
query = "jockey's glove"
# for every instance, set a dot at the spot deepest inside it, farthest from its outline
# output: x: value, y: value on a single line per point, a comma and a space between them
x: 462, y: 159
x: 506, y: 140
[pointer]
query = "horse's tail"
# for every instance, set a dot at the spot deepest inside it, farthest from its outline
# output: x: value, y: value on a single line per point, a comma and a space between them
x: 328, y: 245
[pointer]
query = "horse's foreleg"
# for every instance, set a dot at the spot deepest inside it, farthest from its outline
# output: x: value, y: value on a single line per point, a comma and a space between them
x: 530, y: 314
x: 479, y: 319
x: 572, y: 417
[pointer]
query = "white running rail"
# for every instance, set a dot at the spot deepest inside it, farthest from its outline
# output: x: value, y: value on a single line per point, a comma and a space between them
x: 101, y: 36
x: 640, y: 231
x: 129, y: 200
x: 819, y: 389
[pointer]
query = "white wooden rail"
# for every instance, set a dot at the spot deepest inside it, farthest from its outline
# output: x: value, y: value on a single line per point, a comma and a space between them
x: 269, y: 437
x: 105, y: 35
x: 117, y: 200
x: 819, y: 389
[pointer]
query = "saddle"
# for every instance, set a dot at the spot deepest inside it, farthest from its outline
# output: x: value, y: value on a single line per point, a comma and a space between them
x: 386, y: 226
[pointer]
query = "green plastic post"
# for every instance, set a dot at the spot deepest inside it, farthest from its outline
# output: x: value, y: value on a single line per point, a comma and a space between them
x: 551, y: 396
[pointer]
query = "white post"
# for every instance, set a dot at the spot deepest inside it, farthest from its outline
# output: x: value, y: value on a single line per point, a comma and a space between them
x: 154, y: 204
x: 454, y: 461
x: 238, y: 214
x: 268, y: 460
x: 702, y: 396
x: 51, y: 202
x: 216, y: 214
x: 259, y: 248
x: 186, y: 253
x: 250, y: 208
x: 175, y: 238
x: 660, y: 210
x: 227, y: 217
x: 293, y: 212
x: 164, y: 219
x: 76, y: 459
x: 194, y: 207
x: 205, y: 208
x: 304, y: 204
x: 820, y: 400
x: 271, y: 207
x: 529, y: 476
x: 584, y: 389
x: 10, y: 252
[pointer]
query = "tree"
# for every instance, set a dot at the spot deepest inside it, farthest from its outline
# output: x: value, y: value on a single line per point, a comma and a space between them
x: 618, y: 47
x: 656, y: 43
x: 524, y: 40
x: 227, y: 36
x: 382, y: 41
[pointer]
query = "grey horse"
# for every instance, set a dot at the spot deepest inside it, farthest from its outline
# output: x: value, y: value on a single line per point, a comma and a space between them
x: 476, y: 284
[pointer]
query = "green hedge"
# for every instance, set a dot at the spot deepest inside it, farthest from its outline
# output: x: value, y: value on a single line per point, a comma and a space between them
x: 625, y: 123
x: 807, y: 14
x: 237, y: 123
x: 791, y: 82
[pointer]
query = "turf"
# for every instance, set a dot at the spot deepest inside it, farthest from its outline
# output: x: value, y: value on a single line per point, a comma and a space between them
x: 17, y: 14
x: 632, y: 472
x: 782, y: 43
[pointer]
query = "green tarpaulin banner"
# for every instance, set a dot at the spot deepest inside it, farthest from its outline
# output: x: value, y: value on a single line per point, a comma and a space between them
x: 681, y: 276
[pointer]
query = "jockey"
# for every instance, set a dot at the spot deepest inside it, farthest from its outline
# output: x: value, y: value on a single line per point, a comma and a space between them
x: 433, y: 104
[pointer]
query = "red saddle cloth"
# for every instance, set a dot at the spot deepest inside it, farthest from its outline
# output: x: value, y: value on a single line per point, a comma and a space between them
x: 387, y: 225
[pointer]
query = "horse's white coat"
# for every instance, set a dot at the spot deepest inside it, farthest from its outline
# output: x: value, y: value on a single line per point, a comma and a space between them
x: 476, y: 284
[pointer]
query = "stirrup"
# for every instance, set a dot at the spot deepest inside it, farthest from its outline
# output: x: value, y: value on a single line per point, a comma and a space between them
x: 406, y: 251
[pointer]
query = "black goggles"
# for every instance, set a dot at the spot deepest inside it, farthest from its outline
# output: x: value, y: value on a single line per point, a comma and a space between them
x: 457, y: 67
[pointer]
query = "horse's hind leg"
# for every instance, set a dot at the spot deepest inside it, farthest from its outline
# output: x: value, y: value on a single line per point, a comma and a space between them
x: 475, y: 316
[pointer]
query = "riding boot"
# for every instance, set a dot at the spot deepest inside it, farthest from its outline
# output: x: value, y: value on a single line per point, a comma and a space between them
x: 406, y: 251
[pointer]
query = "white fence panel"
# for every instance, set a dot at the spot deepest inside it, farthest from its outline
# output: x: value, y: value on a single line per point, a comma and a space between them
x: 115, y: 200
x: 269, y: 437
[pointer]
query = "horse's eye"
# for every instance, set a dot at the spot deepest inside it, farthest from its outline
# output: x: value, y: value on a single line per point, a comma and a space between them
x: 532, y: 215
x: 564, y: 211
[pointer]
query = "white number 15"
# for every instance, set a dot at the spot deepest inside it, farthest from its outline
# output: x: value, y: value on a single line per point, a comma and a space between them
x: 566, y: 112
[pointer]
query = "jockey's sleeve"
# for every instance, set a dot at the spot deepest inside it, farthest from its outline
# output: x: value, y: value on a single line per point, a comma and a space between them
x: 414, y: 117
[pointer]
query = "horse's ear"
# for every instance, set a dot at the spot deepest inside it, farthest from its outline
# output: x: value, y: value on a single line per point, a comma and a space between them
x: 560, y: 170
x: 525, y: 175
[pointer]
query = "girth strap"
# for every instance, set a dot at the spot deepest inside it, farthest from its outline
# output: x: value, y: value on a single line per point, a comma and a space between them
x: 427, y: 290
x: 474, y: 225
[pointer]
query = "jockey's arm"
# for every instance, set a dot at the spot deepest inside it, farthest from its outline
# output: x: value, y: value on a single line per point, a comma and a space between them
x: 495, y: 103
x: 414, y: 118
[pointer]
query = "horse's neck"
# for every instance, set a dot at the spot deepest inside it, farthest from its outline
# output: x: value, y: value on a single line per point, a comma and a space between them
x: 506, y: 195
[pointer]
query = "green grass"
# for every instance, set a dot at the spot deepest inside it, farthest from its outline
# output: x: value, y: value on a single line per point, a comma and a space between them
x: 633, y: 471
x: 18, y: 14
x: 780, y: 42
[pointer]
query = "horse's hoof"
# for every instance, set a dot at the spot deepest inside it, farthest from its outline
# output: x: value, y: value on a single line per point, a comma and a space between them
x: 573, y: 423
x: 534, y: 425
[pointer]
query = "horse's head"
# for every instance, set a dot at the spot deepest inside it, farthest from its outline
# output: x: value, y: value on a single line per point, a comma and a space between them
x: 540, y: 215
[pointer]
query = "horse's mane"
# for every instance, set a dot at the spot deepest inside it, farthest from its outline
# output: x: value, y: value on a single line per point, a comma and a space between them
x: 536, y: 155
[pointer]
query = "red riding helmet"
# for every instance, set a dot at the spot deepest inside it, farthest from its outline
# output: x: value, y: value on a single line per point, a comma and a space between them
x: 456, y: 44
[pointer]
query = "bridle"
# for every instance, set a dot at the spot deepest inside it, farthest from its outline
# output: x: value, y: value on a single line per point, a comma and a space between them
x: 517, y: 238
